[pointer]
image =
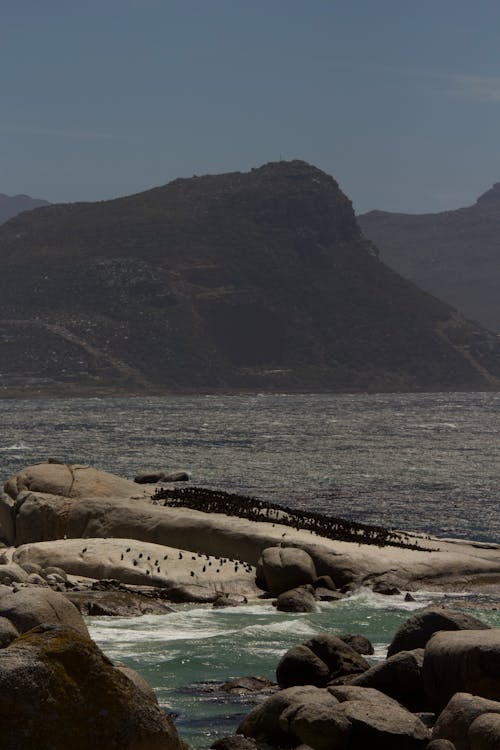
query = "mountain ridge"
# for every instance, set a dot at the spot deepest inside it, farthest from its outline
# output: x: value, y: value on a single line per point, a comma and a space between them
x: 452, y: 254
x: 242, y: 281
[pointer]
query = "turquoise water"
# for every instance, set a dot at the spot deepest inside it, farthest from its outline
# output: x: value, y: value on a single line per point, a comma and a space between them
x: 181, y: 653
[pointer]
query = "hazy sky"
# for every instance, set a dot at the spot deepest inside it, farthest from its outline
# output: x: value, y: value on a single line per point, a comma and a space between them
x: 398, y: 100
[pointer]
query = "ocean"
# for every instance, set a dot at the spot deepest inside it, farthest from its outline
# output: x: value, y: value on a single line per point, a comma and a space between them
x: 427, y: 462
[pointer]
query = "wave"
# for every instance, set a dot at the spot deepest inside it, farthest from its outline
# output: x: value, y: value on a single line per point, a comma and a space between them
x: 15, y: 447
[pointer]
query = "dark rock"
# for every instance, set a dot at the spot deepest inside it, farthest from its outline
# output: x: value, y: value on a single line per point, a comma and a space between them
x: 58, y: 690
x: 324, y: 582
x: 409, y: 597
x: 190, y: 594
x: 296, y: 600
x: 338, y: 656
x: 150, y: 478
x: 359, y: 643
x: 417, y: 630
x: 177, y: 476
x: 225, y: 600
x: 440, y: 745
x: 8, y: 632
x: 454, y: 721
x: 234, y: 742
x: 318, y: 661
x: 385, y: 588
x: 327, y: 595
x: 399, y: 677
x: 484, y: 732
x: 465, y: 661
x: 244, y: 685
x: 116, y: 604
x: 300, y: 666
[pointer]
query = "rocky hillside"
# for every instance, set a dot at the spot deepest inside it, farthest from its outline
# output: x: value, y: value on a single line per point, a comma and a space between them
x: 454, y: 255
x: 13, y: 205
x: 259, y: 280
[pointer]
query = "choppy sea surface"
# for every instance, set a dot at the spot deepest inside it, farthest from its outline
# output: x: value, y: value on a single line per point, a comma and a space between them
x: 428, y: 462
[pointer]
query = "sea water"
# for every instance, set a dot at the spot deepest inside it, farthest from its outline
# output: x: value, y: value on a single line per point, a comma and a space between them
x: 428, y: 462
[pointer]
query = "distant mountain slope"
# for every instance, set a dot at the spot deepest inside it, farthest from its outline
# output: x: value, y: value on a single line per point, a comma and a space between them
x: 454, y: 255
x: 259, y: 280
x: 12, y: 205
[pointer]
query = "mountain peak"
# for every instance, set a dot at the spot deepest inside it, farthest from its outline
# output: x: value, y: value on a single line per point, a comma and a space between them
x: 491, y: 197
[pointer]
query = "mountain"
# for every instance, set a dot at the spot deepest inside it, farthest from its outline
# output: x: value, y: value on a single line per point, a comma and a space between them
x: 12, y: 205
x: 454, y: 255
x: 242, y: 281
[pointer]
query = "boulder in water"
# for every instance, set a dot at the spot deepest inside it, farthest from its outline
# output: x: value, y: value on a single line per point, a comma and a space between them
x: 31, y: 606
x: 300, y: 599
x: 58, y: 687
x: 416, y: 631
x: 284, y: 568
x: 455, y: 719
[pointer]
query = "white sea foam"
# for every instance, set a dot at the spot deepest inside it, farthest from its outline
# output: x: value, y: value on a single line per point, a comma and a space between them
x: 15, y: 447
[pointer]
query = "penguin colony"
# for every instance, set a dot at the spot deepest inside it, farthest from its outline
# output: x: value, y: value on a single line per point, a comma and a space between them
x: 329, y: 527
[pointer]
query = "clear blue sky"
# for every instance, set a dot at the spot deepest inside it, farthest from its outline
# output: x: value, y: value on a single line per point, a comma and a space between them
x: 398, y: 100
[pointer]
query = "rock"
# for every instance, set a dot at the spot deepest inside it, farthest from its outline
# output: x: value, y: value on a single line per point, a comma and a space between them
x: 385, y: 588
x: 32, y: 606
x: 224, y: 600
x: 54, y: 570
x: 142, y: 686
x: 284, y: 568
x: 399, y: 677
x: 299, y: 599
x: 70, y: 481
x: 417, y: 630
x: 245, y: 685
x: 338, y: 656
x: 8, y: 632
x: 150, y: 478
x: 409, y: 597
x: 454, y: 721
x: 465, y: 661
x: 484, y: 732
x: 300, y: 666
x: 32, y: 568
x: 36, y: 580
x: 190, y: 594
x: 317, y: 718
x: 116, y: 604
x: 359, y: 643
x: 318, y: 661
x: 234, y: 742
x: 440, y: 745
x: 12, y: 573
x: 327, y: 595
x: 324, y: 582
x: 177, y: 476
x: 266, y: 723
x: 7, y: 520
x: 58, y: 687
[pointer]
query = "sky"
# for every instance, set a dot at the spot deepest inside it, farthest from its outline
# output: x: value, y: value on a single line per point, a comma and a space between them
x: 398, y: 100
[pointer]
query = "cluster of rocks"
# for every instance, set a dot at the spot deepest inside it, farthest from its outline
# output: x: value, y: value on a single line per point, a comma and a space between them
x: 439, y: 689
x: 58, y: 690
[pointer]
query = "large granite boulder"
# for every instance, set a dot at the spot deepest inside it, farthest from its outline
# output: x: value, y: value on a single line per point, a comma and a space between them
x: 484, y: 732
x: 462, y: 661
x: 7, y: 520
x: 454, y: 721
x: 70, y: 481
x: 416, y: 631
x: 399, y: 677
x: 12, y: 573
x: 334, y: 719
x: 8, y: 632
x: 300, y: 599
x: 284, y: 568
x: 59, y: 691
x: 318, y: 661
x: 31, y: 606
